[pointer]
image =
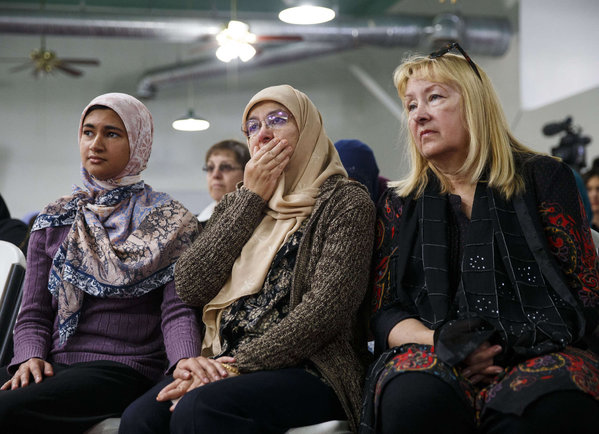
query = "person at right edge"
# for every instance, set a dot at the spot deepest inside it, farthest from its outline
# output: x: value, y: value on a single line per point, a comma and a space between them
x: 485, y: 289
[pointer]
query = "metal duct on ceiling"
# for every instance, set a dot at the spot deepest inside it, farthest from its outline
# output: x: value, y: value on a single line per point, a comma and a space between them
x: 479, y: 35
x: 483, y: 36
x: 111, y: 26
x: 176, y: 74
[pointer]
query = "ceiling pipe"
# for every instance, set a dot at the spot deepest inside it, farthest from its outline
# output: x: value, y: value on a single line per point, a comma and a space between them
x: 405, y: 28
x: 482, y: 35
x: 479, y: 35
x: 485, y: 36
x: 168, y: 29
x: 180, y: 73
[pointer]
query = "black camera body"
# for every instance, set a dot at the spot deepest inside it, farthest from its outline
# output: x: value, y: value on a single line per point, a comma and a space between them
x: 571, y: 148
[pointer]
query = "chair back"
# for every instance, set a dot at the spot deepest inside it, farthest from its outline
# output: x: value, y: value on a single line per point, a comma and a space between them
x: 595, y: 236
x: 12, y: 274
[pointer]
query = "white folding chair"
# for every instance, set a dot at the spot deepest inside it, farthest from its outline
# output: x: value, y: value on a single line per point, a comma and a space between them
x: 330, y: 427
x: 12, y: 274
x: 107, y: 426
x: 595, y: 236
x: 9, y: 254
x: 111, y: 426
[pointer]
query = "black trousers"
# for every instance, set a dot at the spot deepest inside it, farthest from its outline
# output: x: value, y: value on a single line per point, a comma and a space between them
x: 74, y: 399
x: 420, y: 403
x: 260, y: 402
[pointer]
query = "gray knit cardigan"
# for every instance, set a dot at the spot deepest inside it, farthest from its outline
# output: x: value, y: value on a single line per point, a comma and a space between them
x: 329, y: 284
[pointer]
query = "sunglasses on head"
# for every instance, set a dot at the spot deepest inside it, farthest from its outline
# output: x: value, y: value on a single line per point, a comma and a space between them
x: 451, y: 46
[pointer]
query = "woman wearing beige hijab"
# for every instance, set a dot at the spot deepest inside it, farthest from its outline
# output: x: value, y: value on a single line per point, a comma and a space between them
x: 278, y: 274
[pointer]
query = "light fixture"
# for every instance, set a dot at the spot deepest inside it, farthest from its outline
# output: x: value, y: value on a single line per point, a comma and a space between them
x: 306, y: 14
x: 235, y: 42
x: 191, y: 123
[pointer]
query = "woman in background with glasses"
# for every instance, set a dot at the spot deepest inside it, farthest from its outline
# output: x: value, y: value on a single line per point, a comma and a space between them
x: 485, y: 291
x: 225, y: 162
x: 279, y: 274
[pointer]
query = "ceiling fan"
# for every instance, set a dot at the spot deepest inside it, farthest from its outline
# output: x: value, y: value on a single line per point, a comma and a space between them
x: 44, y: 62
x: 235, y: 40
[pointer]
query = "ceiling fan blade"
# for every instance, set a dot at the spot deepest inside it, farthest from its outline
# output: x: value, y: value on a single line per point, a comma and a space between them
x: 91, y: 62
x: 13, y: 59
x: 282, y: 38
x: 20, y: 67
x: 207, y: 47
x: 69, y: 70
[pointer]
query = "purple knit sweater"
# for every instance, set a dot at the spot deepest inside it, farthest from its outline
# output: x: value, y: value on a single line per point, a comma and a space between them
x: 138, y: 332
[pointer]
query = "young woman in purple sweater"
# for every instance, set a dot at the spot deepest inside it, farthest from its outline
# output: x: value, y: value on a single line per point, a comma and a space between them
x: 100, y: 321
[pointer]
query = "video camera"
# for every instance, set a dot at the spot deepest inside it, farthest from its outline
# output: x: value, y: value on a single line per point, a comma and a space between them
x: 571, y: 148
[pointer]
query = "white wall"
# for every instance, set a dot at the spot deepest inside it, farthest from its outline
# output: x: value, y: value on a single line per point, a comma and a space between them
x: 39, y: 158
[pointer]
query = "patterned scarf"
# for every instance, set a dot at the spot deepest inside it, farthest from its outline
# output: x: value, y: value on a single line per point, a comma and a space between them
x: 505, y: 289
x: 124, y: 238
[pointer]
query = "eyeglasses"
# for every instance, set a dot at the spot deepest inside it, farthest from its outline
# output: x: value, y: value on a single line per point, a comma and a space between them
x: 450, y: 47
x: 224, y: 168
x: 273, y: 121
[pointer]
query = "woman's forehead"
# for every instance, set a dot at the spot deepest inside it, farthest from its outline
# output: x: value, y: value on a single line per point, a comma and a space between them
x: 424, y: 74
x: 103, y: 113
x: 266, y: 106
x: 222, y: 154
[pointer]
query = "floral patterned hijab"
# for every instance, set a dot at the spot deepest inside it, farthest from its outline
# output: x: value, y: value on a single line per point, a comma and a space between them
x: 125, y: 238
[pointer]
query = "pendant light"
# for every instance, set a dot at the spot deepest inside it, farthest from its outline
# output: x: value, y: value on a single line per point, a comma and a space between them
x: 190, y: 122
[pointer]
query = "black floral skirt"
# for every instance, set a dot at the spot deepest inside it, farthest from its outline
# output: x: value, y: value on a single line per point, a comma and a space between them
x: 512, y: 390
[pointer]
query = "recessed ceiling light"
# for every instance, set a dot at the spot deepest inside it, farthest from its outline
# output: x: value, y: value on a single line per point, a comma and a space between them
x: 307, y: 14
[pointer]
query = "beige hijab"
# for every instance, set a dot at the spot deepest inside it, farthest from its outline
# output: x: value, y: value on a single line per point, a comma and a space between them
x: 314, y: 160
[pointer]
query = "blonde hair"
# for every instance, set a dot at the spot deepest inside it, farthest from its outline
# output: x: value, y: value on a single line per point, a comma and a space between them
x: 492, y: 146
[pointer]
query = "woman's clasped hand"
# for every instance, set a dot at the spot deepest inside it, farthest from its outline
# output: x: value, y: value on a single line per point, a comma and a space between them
x: 194, y: 372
